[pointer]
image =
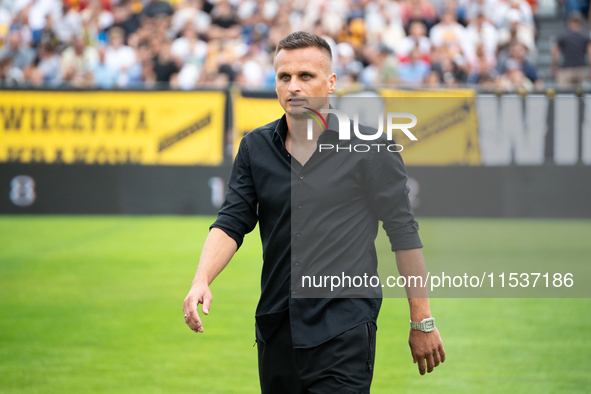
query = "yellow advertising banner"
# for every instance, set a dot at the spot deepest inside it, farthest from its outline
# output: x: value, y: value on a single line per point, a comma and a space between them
x: 250, y: 113
x: 447, y: 123
x: 446, y: 129
x: 150, y: 128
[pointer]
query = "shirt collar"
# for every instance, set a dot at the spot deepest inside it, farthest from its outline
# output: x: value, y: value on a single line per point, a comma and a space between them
x: 281, y: 129
x: 332, y: 121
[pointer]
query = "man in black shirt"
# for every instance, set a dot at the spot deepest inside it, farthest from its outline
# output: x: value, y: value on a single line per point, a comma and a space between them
x: 573, y: 45
x: 314, y: 209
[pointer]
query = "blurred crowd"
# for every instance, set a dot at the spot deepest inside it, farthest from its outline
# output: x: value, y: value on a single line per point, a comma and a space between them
x: 187, y: 44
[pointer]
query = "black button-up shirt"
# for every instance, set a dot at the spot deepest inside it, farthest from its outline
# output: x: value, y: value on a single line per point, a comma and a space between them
x: 328, y: 210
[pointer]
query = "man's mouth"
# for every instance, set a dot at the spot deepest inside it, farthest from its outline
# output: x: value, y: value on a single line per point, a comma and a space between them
x: 297, y: 101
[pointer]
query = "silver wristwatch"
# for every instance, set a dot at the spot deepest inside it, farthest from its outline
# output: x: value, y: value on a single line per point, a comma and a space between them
x: 425, y: 325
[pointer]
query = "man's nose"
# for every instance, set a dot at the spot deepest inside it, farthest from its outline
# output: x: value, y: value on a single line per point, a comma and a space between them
x: 294, y: 86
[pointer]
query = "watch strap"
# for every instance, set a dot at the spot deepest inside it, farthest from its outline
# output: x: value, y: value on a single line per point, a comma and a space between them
x: 425, y: 325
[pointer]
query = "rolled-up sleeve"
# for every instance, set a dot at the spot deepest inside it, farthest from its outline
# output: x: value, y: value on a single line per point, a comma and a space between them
x: 389, y: 201
x: 238, y: 214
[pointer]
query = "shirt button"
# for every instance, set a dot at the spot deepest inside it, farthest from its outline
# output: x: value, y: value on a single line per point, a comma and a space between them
x: 297, y: 263
x: 288, y: 155
x: 298, y: 235
x: 299, y: 207
x: 293, y: 292
x: 301, y: 177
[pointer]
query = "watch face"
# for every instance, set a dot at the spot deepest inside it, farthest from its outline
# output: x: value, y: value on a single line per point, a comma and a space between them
x: 426, y: 325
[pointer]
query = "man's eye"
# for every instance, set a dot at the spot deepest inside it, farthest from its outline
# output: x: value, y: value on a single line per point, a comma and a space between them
x: 306, y: 76
x: 285, y: 78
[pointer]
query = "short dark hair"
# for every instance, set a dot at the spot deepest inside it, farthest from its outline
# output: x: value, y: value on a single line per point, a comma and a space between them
x: 303, y: 39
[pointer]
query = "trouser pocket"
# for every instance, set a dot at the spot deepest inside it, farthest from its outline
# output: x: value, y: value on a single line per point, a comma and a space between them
x: 370, y: 329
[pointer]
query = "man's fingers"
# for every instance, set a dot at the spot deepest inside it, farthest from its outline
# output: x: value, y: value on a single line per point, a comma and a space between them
x: 436, y: 358
x: 421, y: 362
x: 194, y: 321
x: 206, y: 303
x: 199, y: 294
x: 441, y: 352
x: 191, y: 315
x: 430, y: 363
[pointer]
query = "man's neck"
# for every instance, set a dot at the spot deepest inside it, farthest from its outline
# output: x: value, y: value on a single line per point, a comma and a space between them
x: 297, y: 143
x: 297, y: 127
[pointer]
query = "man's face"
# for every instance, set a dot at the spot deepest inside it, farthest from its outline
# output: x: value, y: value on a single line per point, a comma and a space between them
x: 14, y: 40
x: 417, y: 30
x: 79, y: 45
x: 300, y: 74
x: 116, y: 40
x: 574, y: 25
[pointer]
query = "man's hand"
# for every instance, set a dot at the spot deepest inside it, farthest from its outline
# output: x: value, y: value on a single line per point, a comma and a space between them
x: 216, y: 254
x: 426, y: 346
x: 199, y: 294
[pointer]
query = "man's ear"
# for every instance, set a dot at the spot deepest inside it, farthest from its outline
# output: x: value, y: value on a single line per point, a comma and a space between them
x: 332, y: 80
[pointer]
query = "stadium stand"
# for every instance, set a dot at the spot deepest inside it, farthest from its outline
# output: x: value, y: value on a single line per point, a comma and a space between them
x: 187, y: 44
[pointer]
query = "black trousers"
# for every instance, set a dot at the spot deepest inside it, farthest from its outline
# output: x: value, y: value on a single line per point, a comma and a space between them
x: 343, y: 364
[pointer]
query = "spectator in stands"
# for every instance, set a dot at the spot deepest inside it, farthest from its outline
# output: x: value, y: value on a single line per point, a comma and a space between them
x: 236, y: 38
x: 98, y: 20
x: 575, y: 5
x: 520, y: 8
x: 157, y: 7
x: 572, y: 44
x: 353, y: 33
x: 432, y: 80
x: 104, y: 75
x: 191, y: 11
x: 394, y: 32
x: 10, y: 75
x: 224, y: 24
x: 416, y: 39
x: 48, y: 68
x: 118, y: 56
x: 513, y: 79
x: 382, y: 68
x: 188, y: 47
x: 77, y: 61
x: 20, y: 53
x: 125, y: 18
x: 136, y: 73
x: 165, y: 67
x: 516, y: 31
x: 70, y: 25
x: 488, y: 8
x: 482, y: 70
x: 452, y: 70
x: 252, y: 12
x: 481, y: 32
x: 37, y: 16
x: 414, y: 70
x: 382, y: 15
x: 457, y: 7
x: 517, y: 52
x: 420, y: 11
x: 252, y: 71
x: 5, y: 22
x: 345, y: 55
x: 451, y: 34
x: 47, y: 34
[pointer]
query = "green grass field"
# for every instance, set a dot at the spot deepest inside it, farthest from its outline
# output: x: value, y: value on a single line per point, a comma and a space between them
x: 94, y: 304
